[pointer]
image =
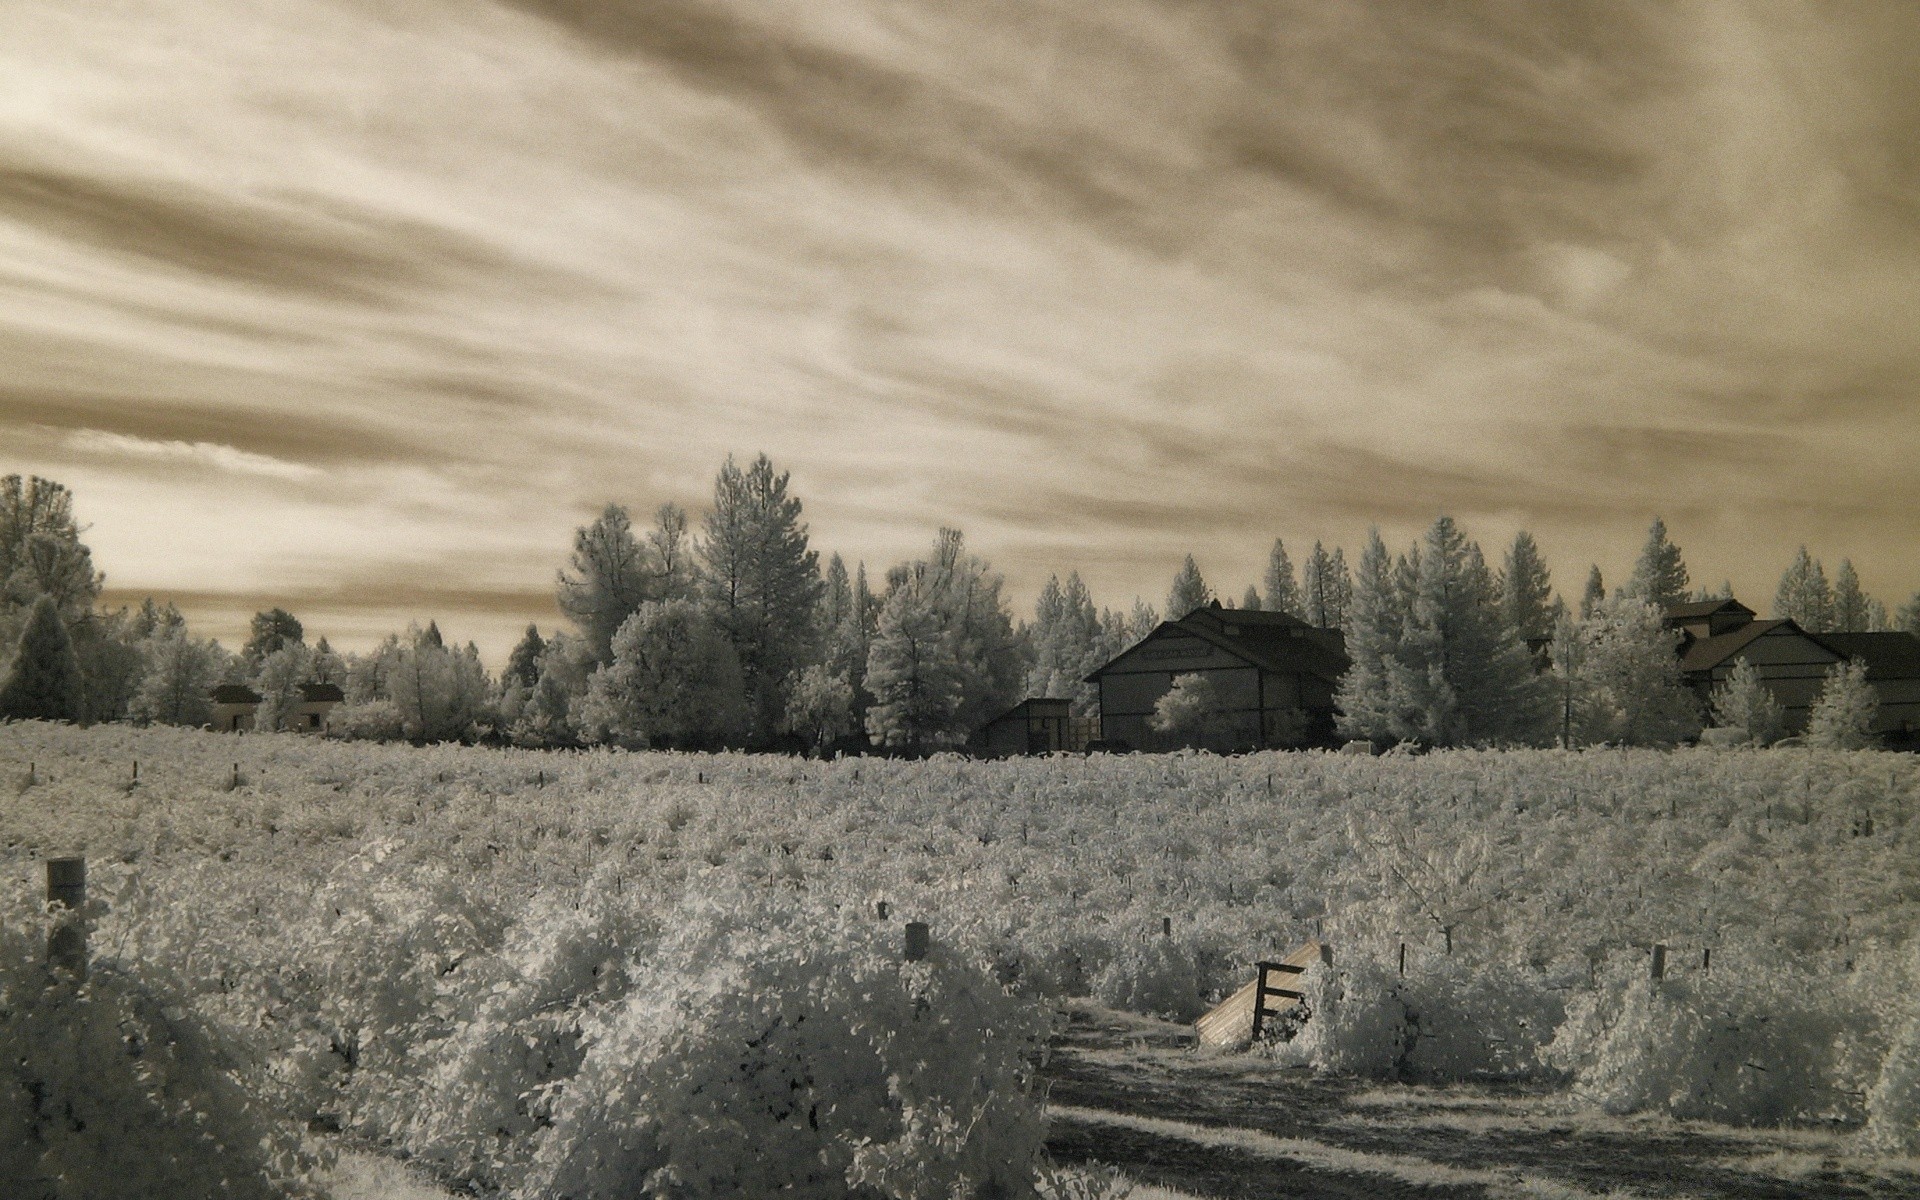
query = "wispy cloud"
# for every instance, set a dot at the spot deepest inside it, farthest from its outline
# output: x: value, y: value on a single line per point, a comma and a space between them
x: 1098, y: 283
x: 211, y: 456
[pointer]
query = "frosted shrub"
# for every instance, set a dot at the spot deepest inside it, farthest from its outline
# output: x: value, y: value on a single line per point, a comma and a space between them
x: 1753, y: 1047
x: 1893, y: 1103
x: 1448, y: 1020
x: 1156, y: 976
x: 111, y: 1090
x: 812, y: 1063
x: 499, y: 1077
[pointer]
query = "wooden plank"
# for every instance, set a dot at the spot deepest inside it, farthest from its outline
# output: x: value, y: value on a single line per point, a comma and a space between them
x: 1232, y: 1021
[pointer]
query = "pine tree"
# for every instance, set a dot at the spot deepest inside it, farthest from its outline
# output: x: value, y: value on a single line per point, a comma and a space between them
x: 820, y: 708
x: 675, y: 682
x: 1804, y: 597
x: 40, y: 551
x: 1283, y: 594
x: 43, y: 682
x: 270, y: 631
x: 968, y: 594
x: 1742, y: 701
x: 439, y: 692
x: 523, y: 665
x: 670, y: 556
x: 1842, y: 718
x: 762, y: 584
x: 1852, y: 610
x: 608, y: 578
x: 1526, y: 587
x: 1660, y: 575
x: 1593, y: 594
x: 1250, y: 599
x: 1189, y: 591
x: 912, y: 672
x: 1907, y: 620
x: 176, y: 687
x: 1325, y: 588
x: 1468, y: 677
x: 1629, y: 689
x: 1365, y: 697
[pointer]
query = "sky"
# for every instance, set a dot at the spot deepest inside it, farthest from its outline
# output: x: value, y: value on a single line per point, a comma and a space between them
x: 361, y: 307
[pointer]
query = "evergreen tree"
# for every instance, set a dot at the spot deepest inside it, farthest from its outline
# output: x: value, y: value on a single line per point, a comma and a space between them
x: 548, y: 717
x: 912, y: 672
x: 670, y: 556
x: 1189, y: 591
x: 43, y: 681
x: 1743, y: 701
x: 1251, y: 600
x: 1283, y: 594
x: 1141, y: 621
x: 1628, y: 688
x: 326, y: 666
x: 1852, y: 610
x: 1467, y: 677
x: 1804, y: 596
x: 1660, y: 576
x: 1842, y: 718
x: 608, y: 578
x: 1368, y: 706
x: 523, y: 665
x: 41, y: 553
x: 270, y: 631
x: 176, y: 687
x: 968, y: 594
x: 1325, y: 588
x: 1526, y: 588
x: 439, y: 692
x: 762, y: 584
x: 1907, y: 620
x: 107, y: 647
x: 278, y: 681
x: 1593, y: 594
x: 675, y: 682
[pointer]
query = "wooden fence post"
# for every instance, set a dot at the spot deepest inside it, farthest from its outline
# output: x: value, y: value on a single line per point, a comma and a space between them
x: 880, y: 909
x: 918, y: 940
x: 1166, y: 927
x: 67, y: 888
x: 1659, y: 961
x: 1403, y: 958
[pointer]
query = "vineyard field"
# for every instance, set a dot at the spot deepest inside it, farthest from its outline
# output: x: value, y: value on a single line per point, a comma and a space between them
x: 528, y: 973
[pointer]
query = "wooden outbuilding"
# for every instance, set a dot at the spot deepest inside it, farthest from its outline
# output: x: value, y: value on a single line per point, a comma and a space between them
x: 1273, y: 673
x: 1793, y: 664
x: 1036, y: 725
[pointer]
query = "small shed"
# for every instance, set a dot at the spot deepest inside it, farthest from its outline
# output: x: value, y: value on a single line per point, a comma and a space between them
x: 235, y: 706
x: 1036, y: 725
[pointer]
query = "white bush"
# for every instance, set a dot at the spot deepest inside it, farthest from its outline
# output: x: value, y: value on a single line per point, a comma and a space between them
x: 806, y: 1063
x: 112, y: 1090
x: 1156, y: 976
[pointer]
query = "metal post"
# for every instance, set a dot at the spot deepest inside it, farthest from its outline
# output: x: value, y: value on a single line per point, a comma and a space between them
x: 918, y: 940
x: 67, y: 888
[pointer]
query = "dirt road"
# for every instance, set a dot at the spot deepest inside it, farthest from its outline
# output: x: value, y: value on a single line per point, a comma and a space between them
x: 1139, y: 1095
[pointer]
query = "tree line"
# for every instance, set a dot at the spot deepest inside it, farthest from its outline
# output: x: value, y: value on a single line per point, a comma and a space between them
x: 731, y: 632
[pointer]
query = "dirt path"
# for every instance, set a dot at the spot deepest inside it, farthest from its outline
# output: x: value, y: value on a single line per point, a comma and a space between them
x: 1139, y: 1095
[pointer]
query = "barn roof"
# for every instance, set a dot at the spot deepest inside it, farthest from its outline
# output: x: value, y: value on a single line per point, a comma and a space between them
x: 1695, y: 610
x: 1893, y: 655
x: 1273, y: 641
x: 1704, y: 654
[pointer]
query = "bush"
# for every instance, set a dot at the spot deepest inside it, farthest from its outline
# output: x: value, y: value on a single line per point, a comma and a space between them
x: 111, y: 1089
x: 810, y: 1063
x: 1157, y: 977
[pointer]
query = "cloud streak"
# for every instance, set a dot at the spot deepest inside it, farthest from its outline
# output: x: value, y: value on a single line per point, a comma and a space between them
x: 1100, y: 284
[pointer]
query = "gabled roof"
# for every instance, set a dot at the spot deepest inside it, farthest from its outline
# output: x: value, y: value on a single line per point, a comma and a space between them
x: 1887, y: 655
x: 1272, y: 641
x: 1698, y: 609
x: 235, y: 693
x: 1045, y: 706
x: 320, y: 693
x: 1704, y: 654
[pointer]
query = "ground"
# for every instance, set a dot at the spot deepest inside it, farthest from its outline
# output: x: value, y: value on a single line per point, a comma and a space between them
x: 1141, y: 1095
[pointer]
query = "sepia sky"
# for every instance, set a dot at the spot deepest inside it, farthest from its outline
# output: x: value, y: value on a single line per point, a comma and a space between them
x: 361, y: 306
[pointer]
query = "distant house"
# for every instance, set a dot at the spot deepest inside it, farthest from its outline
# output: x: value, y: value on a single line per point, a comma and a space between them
x: 1274, y: 674
x: 235, y: 704
x: 1793, y: 664
x: 1036, y: 725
